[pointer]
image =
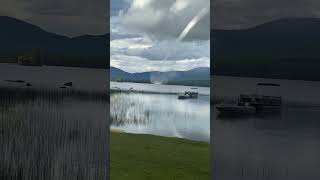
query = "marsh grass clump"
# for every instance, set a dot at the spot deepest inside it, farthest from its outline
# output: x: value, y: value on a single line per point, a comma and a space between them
x: 41, y: 138
x: 133, y: 111
x: 128, y: 111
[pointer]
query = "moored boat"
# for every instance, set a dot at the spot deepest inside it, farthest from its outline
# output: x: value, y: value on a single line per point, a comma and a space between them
x: 188, y: 95
x: 253, y: 103
x: 236, y: 109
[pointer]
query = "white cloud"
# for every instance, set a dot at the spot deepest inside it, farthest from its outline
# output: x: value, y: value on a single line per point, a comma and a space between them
x: 178, y: 6
x: 166, y: 19
x: 134, y: 64
x: 159, y: 50
x: 141, y: 4
x: 130, y: 44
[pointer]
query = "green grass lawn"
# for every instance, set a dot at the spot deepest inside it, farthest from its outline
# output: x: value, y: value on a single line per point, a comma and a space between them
x: 147, y: 157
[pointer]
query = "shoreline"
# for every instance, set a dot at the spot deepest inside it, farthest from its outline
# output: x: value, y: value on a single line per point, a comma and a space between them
x: 61, y: 66
x: 117, y: 89
x: 120, y: 131
x: 159, y: 84
x: 147, y: 92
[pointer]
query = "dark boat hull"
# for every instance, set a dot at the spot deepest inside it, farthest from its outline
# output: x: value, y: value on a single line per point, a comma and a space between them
x: 183, y: 97
x: 232, y: 109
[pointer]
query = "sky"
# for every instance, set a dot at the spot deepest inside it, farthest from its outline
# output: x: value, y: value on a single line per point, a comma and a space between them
x: 144, y: 35
x: 65, y: 17
x: 241, y: 14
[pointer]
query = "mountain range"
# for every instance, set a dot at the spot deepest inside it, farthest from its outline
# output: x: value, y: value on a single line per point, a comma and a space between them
x: 18, y: 37
x: 285, y: 49
x: 194, y: 77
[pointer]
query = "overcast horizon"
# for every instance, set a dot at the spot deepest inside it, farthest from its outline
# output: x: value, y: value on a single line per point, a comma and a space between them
x: 144, y: 35
x: 69, y: 18
x: 235, y: 14
x: 161, y: 71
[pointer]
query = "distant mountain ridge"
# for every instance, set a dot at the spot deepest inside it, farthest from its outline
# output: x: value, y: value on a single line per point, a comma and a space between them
x: 285, y: 48
x: 17, y: 37
x: 198, y: 76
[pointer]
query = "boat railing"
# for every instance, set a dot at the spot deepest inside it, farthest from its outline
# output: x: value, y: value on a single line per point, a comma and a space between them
x: 259, y: 99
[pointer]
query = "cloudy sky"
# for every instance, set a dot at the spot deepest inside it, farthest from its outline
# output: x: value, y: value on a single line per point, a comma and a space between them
x: 66, y: 17
x: 144, y: 35
x: 238, y: 14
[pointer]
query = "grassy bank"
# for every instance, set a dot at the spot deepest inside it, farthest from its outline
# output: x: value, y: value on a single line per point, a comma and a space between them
x: 147, y: 157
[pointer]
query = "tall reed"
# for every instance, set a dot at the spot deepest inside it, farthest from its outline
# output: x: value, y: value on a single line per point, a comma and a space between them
x: 41, y: 139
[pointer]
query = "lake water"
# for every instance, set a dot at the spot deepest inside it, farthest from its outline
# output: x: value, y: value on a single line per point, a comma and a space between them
x: 52, y: 133
x: 53, y: 77
x: 161, y: 114
x: 281, y: 146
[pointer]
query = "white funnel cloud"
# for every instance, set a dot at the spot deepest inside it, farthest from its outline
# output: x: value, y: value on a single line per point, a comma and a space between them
x: 189, y: 27
x: 193, y: 22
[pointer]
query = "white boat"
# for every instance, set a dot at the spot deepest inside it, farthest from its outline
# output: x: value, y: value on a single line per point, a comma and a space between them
x: 188, y: 95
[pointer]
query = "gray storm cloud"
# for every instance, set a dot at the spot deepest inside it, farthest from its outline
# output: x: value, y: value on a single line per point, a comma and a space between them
x: 239, y: 14
x: 166, y: 19
x: 66, y: 17
x: 145, y: 35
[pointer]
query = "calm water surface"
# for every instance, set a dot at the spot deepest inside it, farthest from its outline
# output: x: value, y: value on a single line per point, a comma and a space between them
x: 66, y: 133
x: 161, y: 114
x: 53, y: 77
x: 281, y: 146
